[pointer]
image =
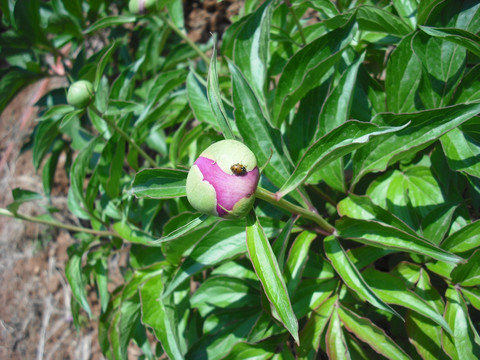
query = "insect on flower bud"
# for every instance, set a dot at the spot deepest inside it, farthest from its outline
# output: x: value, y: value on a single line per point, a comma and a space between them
x: 141, y: 6
x: 80, y: 93
x: 223, y: 180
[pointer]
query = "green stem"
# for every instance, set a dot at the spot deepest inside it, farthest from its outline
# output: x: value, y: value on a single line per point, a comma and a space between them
x: 57, y: 224
x: 268, y: 196
x: 124, y: 135
x: 180, y: 33
x: 295, y: 18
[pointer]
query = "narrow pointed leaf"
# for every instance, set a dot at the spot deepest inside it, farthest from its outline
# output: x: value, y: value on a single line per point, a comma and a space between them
x: 160, y: 183
x: 215, y: 99
x: 381, y: 235
x: 305, y: 69
x: 468, y: 274
x: 363, y: 208
x: 224, y: 241
x: 297, y: 259
x: 266, y: 266
x: 425, y: 127
x: 156, y: 315
x: 351, y: 276
x: 251, y: 50
x: 311, y: 334
x: 462, y: 152
x: 393, y: 290
x: 460, y: 344
x: 371, y: 334
x: 461, y: 37
x: 335, y: 339
x: 465, y: 239
x: 337, y: 143
x: 256, y: 131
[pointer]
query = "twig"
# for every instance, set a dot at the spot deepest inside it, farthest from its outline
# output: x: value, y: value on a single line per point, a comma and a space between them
x: 268, y: 196
x: 57, y: 224
x: 43, y: 331
x: 180, y: 33
x: 124, y: 135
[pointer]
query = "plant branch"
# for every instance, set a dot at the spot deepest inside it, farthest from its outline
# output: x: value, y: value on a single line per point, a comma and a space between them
x: 124, y: 135
x: 180, y: 33
x: 268, y: 196
x: 297, y: 22
x: 57, y: 224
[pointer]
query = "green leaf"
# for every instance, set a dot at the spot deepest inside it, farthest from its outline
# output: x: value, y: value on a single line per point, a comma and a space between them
x: 305, y: 69
x: 251, y: 51
x: 337, y: 143
x: 335, y: 338
x: 280, y: 245
x: 268, y: 272
x: 407, y: 10
x: 437, y: 222
x: 362, y: 208
x: 311, y: 334
x: 392, y: 290
x: 376, y: 19
x: 182, y: 230
x: 160, y: 183
x: 371, y: 334
x: 403, y: 77
x: 134, y: 235
x: 224, y: 241
x: 459, y: 344
x: 110, y: 21
x: 103, y: 63
x: 297, y: 259
x: 160, y: 317
x: 310, y: 294
x: 350, y: 274
x: 425, y: 335
x: 461, y: 37
x: 384, y: 236
x: 45, y: 135
x: 468, y: 274
x: 222, y: 292
x: 12, y: 82
x: 465, y: 239
x: 198, y: 99
x: 443, y: 64
x: 335, y: 111
x: 462, y: 152
x: 257, y: 133
x: 21, y: 196
x: 74, y: 275
x: 101, y: 278
x: 424, y: 127
x: 215, y: 99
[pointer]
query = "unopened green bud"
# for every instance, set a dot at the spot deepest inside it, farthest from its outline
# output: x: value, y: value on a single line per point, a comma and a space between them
x: 141, y: 6
x: 80, y: 93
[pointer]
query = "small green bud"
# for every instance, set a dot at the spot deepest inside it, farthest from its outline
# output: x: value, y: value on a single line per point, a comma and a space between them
x: 223, y: 180
x: 141, y: 6
x: 80, y: 93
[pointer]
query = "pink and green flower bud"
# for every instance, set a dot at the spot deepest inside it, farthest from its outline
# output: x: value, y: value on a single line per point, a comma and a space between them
x: 141, y: 7
x: 223, y: 180
x: 80, y: 93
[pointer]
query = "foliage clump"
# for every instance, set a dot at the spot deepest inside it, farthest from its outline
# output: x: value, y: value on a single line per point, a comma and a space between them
x: 364, y: 237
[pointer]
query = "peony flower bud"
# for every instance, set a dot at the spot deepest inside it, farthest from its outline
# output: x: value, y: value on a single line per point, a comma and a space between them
x: 80, y: 93
x: 223, y: 180
x: 141, y: 6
